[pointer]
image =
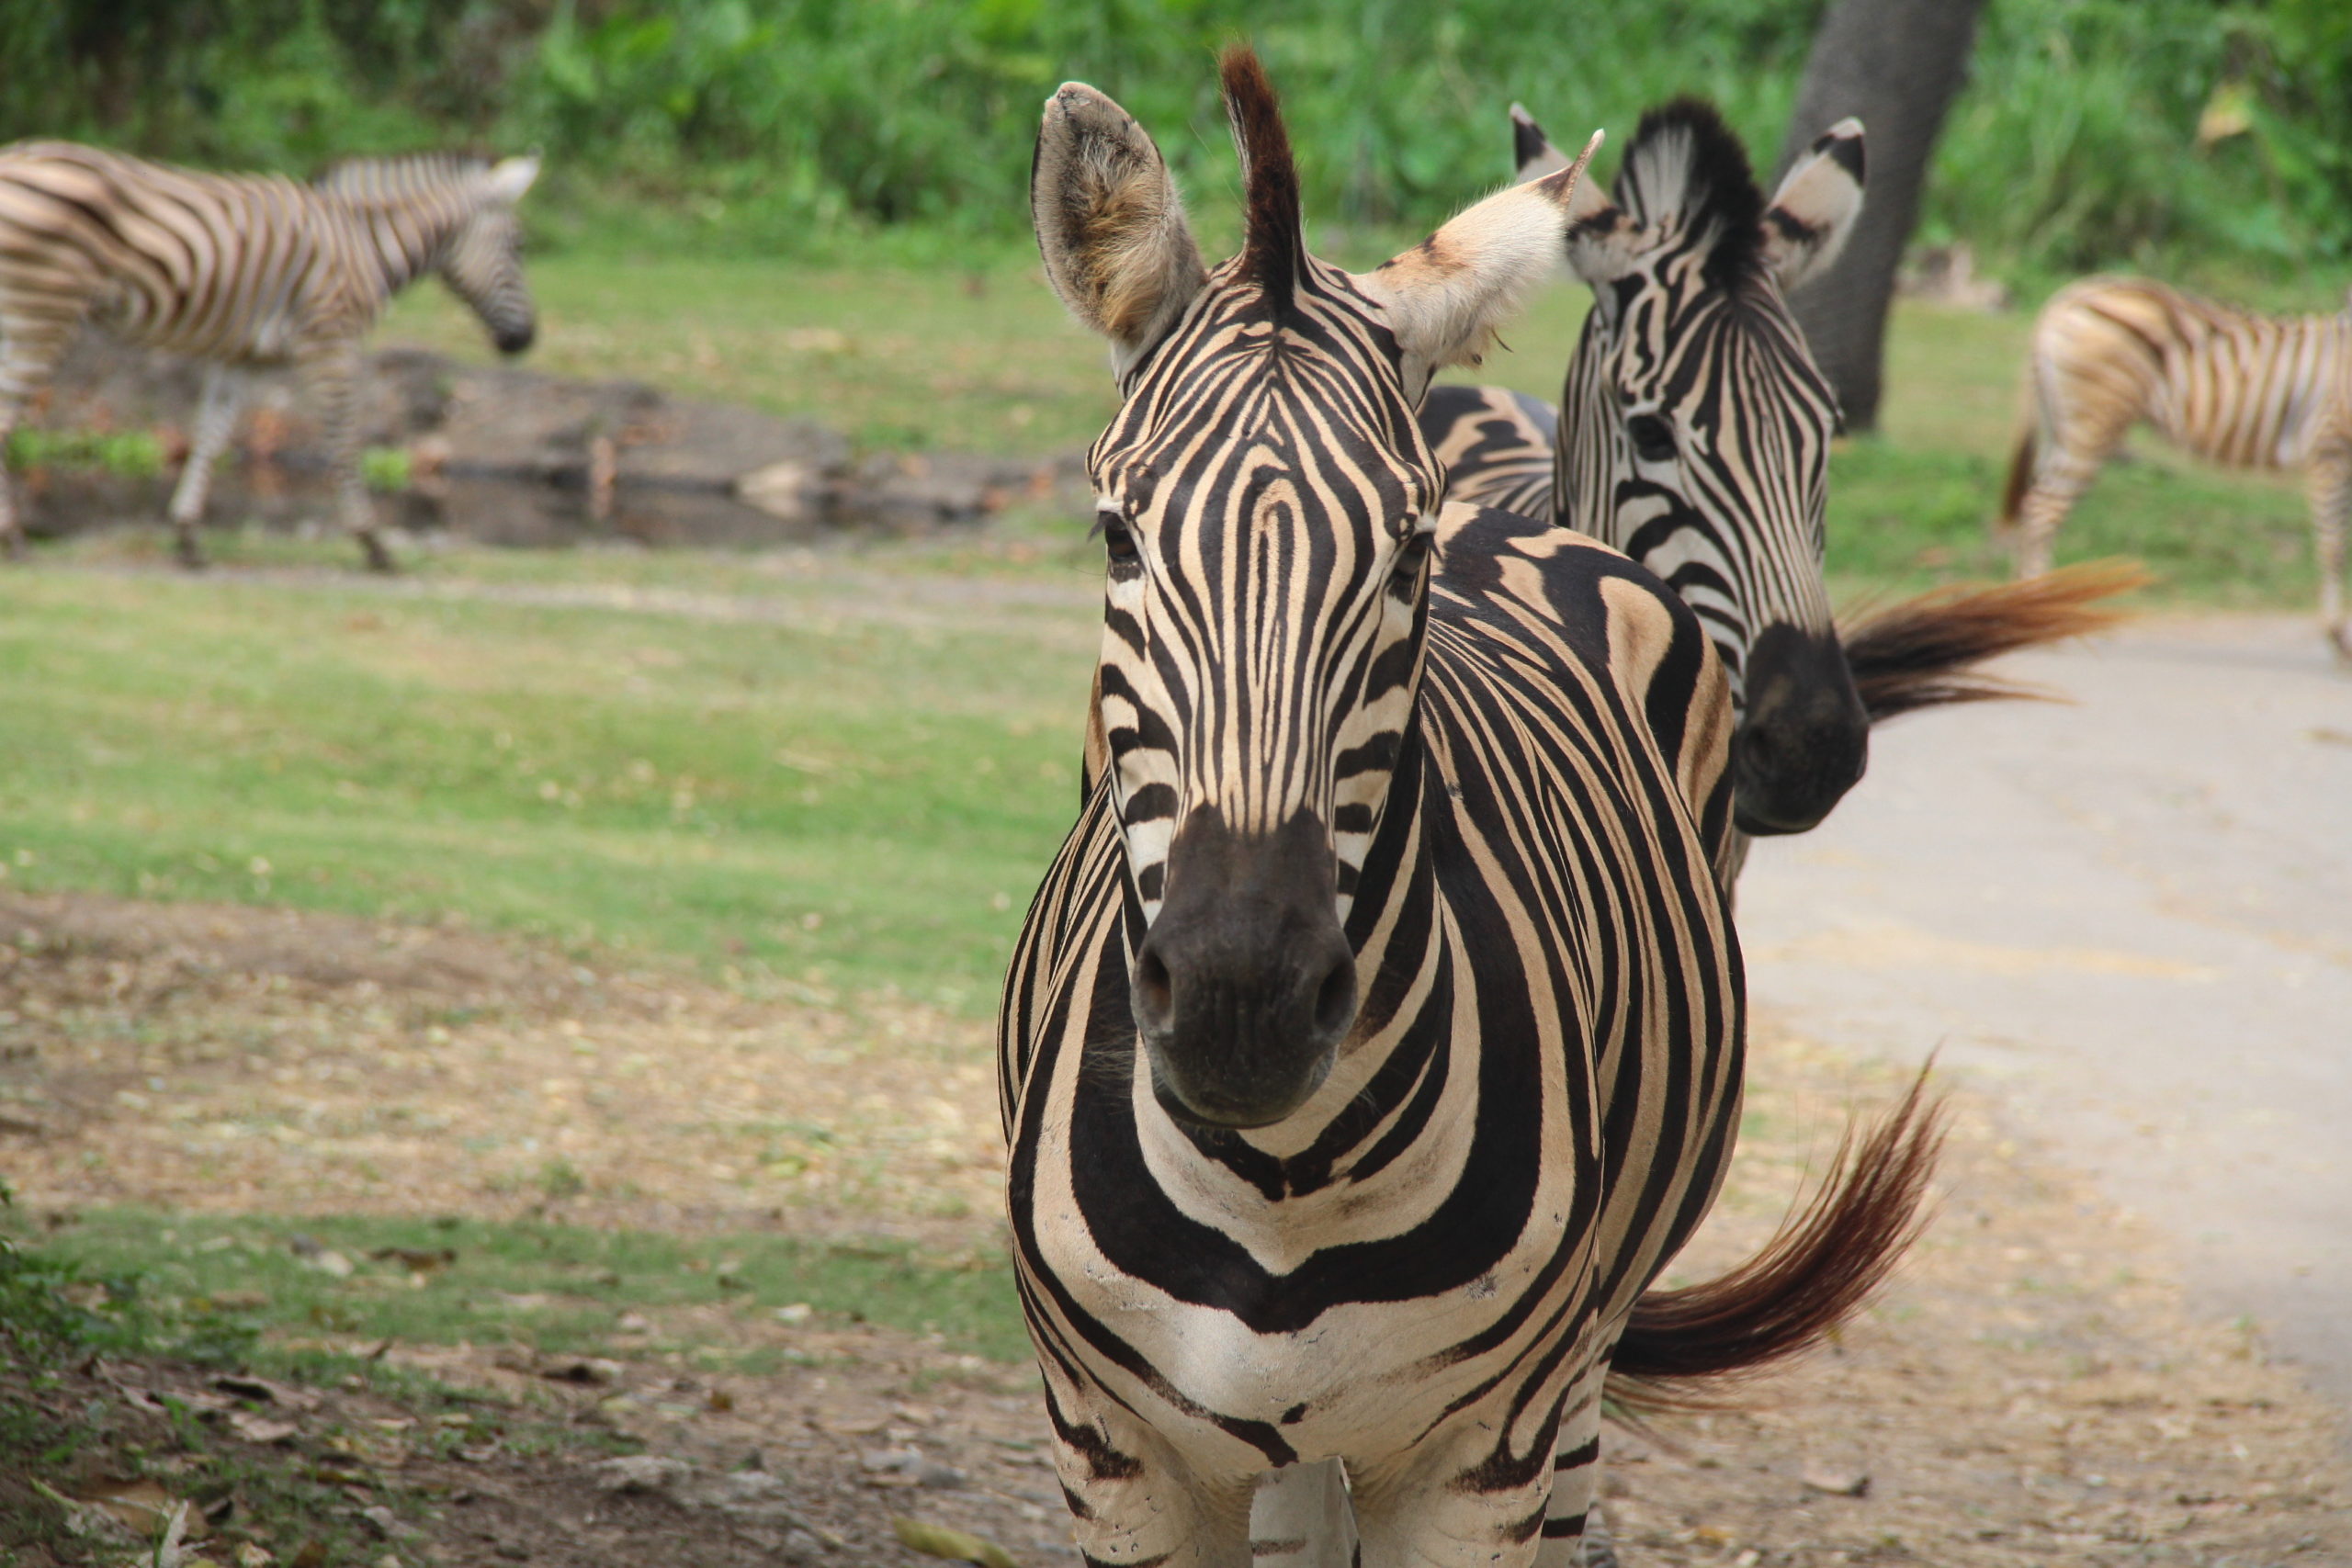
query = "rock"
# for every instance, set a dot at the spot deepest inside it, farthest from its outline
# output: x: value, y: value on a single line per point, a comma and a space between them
x: 632, y: 1474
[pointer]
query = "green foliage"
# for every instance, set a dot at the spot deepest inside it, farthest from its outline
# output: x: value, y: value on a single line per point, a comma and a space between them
x: 2160, y: 132
x: 134, y: 454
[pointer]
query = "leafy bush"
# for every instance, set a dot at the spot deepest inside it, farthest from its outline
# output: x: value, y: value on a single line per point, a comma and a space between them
x: 2095, y: 130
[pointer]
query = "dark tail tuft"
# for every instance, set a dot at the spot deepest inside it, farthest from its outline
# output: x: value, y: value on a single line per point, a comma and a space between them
x: 1823, y: 1266
x: 2021, y: 478
x: 1922, y: 652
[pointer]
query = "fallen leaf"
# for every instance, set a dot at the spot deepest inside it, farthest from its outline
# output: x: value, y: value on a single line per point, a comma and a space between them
x: 264, y: 1389
x: 1836, y: 1482
x: 261, y: 1430
x: 311, y: 1554
x: 956, y: 1546
x: 416, y: 1260
x: 252, y: 1554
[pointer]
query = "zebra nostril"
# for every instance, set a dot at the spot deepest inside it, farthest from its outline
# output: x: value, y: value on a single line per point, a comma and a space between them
x: 1335, y: 1002
x: 1155, y: 997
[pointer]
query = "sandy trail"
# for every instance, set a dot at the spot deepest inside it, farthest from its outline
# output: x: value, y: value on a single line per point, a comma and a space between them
x: 2130, y: 918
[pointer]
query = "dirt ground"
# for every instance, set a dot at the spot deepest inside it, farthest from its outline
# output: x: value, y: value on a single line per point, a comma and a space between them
x: 2032, y: 1389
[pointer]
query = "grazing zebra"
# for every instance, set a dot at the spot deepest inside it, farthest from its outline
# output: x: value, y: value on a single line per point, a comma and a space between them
x: 1377, y: 1034
x: 243, y: 272
x: 2249, y: 391
x: 1694, y: 434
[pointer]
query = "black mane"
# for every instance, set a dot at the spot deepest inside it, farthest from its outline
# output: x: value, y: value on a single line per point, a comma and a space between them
x: 1270, y: 255
x: 1685, y: 159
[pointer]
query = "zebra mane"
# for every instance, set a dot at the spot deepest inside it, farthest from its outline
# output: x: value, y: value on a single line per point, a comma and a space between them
x: 376, y: 182
x: 1684, y: 160
x: 1274, y: 251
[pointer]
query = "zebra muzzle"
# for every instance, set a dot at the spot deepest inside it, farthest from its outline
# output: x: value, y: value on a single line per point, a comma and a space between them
x: 1246, y: 985
x: 1805, y: 738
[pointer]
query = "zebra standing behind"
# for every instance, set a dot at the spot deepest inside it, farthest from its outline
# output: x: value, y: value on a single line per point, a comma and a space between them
x: 2249, y: 391
x: 1693, y: 432
x: 245, y: 272
x: 1377, y: 1035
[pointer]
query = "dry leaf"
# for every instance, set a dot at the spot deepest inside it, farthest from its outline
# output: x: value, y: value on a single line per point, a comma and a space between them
x: 1836, y: 1482
x: 260, y: 1429
x: 956, y: 1546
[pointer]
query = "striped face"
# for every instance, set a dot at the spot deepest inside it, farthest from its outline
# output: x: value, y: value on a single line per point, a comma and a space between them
x: 1266, y: 503
x: 1695, y: 429
x: 1267, y: 506
x: 483, y: 267
x: 454, y: 216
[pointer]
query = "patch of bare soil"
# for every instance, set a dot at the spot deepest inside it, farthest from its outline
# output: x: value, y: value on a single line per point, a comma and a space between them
x: 226, y: 1059
x: 2032, y: 1390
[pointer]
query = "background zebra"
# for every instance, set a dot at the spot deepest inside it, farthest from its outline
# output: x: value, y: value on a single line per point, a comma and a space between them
x: 1377, y: 1034
x: 2250, y: 391
x: 243, y: 272
x: 1693, y: 432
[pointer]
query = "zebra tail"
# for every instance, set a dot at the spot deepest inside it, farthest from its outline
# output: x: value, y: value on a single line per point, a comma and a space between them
x: 1828, y: 1262
x: 1923, y: 652
x: 2020, y: 479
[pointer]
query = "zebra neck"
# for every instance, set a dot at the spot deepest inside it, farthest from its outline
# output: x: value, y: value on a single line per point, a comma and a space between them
x: 1385, y: 1087
x: 407, y: 239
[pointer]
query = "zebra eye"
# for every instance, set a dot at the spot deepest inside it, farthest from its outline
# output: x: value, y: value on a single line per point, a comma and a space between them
x: 1410, y: 553
x: 1653, y: 437
x: 1118, y: 539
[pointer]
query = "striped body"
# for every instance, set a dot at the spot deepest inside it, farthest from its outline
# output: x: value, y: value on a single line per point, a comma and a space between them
x: 2236, y: 388
x: 245, y: 272
x: 1421, y: 1270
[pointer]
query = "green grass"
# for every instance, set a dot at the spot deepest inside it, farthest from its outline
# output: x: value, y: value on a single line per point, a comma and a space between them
x: 557, y: 1289
x: 857, y: 770
x: 856, y: 791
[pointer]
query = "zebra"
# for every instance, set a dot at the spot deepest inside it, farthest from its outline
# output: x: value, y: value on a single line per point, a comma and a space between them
x: 244, y: 272
x: 1693, y: 432
x: 2250, y: 391
x: 1377, y: 1034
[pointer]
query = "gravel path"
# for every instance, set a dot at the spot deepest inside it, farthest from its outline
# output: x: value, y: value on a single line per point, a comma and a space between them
x: 2135, y: 912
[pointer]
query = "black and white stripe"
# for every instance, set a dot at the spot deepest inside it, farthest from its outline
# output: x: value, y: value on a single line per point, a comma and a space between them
x: 1376, y: 1036
x: 2249, y: 391
x: 245, y: 272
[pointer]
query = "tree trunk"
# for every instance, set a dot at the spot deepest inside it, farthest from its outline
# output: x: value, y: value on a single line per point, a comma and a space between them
x: 1898, y: 64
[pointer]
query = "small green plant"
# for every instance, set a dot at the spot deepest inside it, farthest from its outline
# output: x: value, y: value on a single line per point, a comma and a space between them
x: 387, y: 469
x: 134, y: 454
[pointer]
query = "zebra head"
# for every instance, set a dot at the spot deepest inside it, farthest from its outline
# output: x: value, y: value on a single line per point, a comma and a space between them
x: 1695, y: 428
x: 1267, y: 504
x: 482, y: 263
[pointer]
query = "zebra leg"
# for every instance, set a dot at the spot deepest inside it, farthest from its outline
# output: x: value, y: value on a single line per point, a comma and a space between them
x: 1475, y: 1495
x: 334, y: 378
x: 216, y: 418
x: 2330, y: 484
x: 30, y: 346
x: 2057, y: 485
x: 1572, y: 1535
x: 1300, y: 1518
x: 1135, y: 1501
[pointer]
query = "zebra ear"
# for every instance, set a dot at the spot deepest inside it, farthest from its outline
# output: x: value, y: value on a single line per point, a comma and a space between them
x: 510, y: 177
x: 1600, y: 237
x: 1814, y: 213
x: 1446, y: 295
x: 1110, y: 225
x: 1530, y: 148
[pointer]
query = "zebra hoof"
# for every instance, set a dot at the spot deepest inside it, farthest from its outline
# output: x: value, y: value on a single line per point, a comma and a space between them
x: 380, y: 559
x: 1600, y: 1543
x: 189, y: 554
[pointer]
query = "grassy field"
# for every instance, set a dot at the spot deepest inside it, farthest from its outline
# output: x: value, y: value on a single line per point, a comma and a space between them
x: 842, y: 766
x: 821, y: 775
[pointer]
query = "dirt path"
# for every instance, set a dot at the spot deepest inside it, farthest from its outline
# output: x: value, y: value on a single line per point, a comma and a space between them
x: 2131, y: 917
x: 2034, y: 1390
